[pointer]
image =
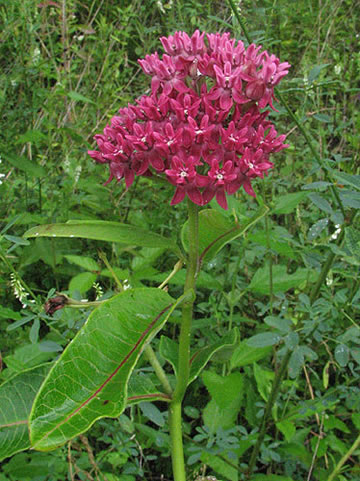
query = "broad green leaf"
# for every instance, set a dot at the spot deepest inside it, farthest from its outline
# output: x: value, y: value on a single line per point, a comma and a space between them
x: 350, y: 198
x: 296, y: 362
x: 85, y: 262
x: 16, y: 240
x: 199, y: 359
x: 227, y: 394
x: 7, y: 313
x: 276, y: 241
x: 352, y: 241
x: 26, y: 165
x: 245, y: 354
x: 224, y: 390
x: 26, y: 357
x: 320, y: 202
x: 288, y: 202
x: 332, y: 422
x: 315, y: 72
x: 280, y: 323
x: 105, y: 231
x: 89, y: 380
x: 16, y: 398
x: 141, y: 388
x: 355, y: 353
x: 82, y: 282
x: 153, y: 413
x: 323, y: 118
x: 316, y: 229
x: 264, y: 339
x: 281, y: 280
x: 347, y: 179
x: 287, y: 428
x: 263, y: 378
x: 342, y: 354
x: 321, y: 185
x: 217, y: 230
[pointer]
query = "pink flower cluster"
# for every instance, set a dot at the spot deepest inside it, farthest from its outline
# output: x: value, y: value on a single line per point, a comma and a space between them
x: 201, y: 126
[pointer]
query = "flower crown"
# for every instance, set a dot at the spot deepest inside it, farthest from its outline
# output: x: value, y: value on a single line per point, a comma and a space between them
x: 201, y: 126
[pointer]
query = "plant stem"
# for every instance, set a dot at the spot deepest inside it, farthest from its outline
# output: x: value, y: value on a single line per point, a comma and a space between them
x: 177, y: 452
x: 267, y: 414
x: 160, y: 373
x: 344, y: 459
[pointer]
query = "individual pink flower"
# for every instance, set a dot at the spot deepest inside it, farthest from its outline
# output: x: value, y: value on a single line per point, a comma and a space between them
x: 228, y: 87
x: 184, y: 176
x: 220, y: 178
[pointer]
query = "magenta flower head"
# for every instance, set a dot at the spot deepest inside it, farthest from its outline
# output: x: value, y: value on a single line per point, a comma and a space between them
x: 203, y: 126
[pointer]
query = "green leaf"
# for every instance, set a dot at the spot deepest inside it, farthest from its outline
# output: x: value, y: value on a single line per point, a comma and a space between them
x: 34, y: 331
x: 355, y: 417
x: 320, y: 202
x: 296, y: 362
x: 224, y: 390
x: 16, y: 240
x: 288, y: 202
x: 217, y: 230
x: 82, y: 282
x: 26, y: 165
x: 199, y: 359
x: 151, y: 412
x: 105, y: 231
x: 276, y: 240
x: 283, y: 325
x: 245, y: 354
x: 16, y: 398
x: 352, y: 241
x: 347, y: 179
x: 282, y: 281
x: 227, y: 394
x: 6, y: 313
x: 141, y: 388
x: 79, y: 98
x: 85, y: 262
x: 321, y: 185
x: 264, y: 339
x: 323, y: 118
x: 316, y: 229
x: 342, y: 354
x: 263, y: 378
x: 89, y: 380
x: 315, y: 72
x: 220, y: 466
x: 26, y: 357
x: 287, y: 428
x: 34, y: 136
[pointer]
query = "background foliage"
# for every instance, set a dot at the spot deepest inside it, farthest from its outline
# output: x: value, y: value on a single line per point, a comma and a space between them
x: 66, y: 67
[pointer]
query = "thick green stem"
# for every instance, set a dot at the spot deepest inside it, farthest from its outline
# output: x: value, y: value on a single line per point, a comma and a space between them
x: 177, y: 453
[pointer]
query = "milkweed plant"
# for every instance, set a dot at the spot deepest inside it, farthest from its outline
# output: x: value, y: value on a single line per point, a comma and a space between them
x: 205, y: 129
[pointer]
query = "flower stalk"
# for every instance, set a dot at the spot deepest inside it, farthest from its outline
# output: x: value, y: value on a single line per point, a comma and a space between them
x: 175, y: 419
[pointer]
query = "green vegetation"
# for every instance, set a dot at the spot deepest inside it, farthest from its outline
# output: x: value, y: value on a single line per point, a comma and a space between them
x: 282, y: 399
